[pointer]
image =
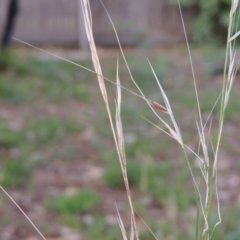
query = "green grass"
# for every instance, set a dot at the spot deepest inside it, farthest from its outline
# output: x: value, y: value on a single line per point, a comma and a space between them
x: 9, y: 138
x: 25, y: 80
x: 113, y: 175
x: 16, y: 90
x: 15, y: 173
x: 84, y: 201
x: 230, y: 225
x: 46, y: 130
x: 101, y: 230
x: 152, y: 179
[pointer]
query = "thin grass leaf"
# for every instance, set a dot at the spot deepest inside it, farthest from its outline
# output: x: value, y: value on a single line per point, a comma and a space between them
x: 231, y: 65
x: 121, y: 225
x: 88, y: 26
x: 171, y: 131
x: 123, y: 55
x: 219, y: 210
x: 218, y: 201
x: 234, y: 36
x: 203, y: 144
x: 192, y: 68
x: 118, y: 117
x: 168, y: 134
x: 132, y: 229
x: 234, y: 5
x: 230, y: 84
x: 81, y: 66
x: 147, y: 227
x: 122, y: 158
x: 197, y: 232
x: 24, y: 214
x: 176, y: 132
x: 198, y: 157
x: 197, y: 189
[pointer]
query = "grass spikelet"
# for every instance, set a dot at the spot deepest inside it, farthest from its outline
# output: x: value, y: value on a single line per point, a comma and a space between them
x: 159, y: 107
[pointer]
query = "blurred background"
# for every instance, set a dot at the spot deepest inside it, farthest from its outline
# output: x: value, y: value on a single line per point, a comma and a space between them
x: 60, y: 22
x: 139, y: 23
x: 58, y: 159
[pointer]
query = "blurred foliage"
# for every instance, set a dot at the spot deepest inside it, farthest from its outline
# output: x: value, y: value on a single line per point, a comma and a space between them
x: 24, y: 80
x: 5, y: 59
x: 51, y: 113
x: 45, y: 130
x: 210, y: 25
x: 82, y: 202
x: 113, y: 175
x: 99, y: 229
x: 15, y: 173
x: 9, y: 138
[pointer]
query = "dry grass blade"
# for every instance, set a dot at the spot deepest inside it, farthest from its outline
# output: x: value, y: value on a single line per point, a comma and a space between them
x: 95, y: 59
x: 148, y: 227
x: 87, y: 69
x: 218, y: 202
x: 120, y: 223
x: 118, y: 136
x: 96, y: 62
x: 203, y: 145
x: 132, y: 230
x: 234, y: 6
x: 234, y: 36
x: 228, y: 77
x: 171, y: 133
x: 123, y: 55
x: 118, y: 119
x: 122, y: 158
x: 25, y: 215
x: 176, y: 132
x: 192, y: 69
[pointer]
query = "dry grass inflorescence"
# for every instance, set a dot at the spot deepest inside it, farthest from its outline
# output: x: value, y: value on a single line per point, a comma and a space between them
x: 204, y: 176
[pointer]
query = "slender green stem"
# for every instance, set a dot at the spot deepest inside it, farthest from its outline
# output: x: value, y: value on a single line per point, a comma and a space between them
x: 212, y: 178
x: 222, y: 109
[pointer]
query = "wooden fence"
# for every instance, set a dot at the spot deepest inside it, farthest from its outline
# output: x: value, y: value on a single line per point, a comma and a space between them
x: 60, y: 21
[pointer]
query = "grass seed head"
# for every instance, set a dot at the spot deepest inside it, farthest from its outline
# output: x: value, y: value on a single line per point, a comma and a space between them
x: 159, y: 107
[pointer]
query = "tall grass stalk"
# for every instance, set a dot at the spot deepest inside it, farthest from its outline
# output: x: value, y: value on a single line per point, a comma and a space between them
x: 117, y: 133
x: 230, y: 70
x: 208, y: 167
x: 24, y: 214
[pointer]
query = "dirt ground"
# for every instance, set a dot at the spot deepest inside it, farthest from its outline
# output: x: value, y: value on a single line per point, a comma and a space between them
x: 61, y: 133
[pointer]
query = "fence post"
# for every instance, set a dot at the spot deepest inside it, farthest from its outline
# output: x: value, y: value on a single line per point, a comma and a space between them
x: 82, y: 36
